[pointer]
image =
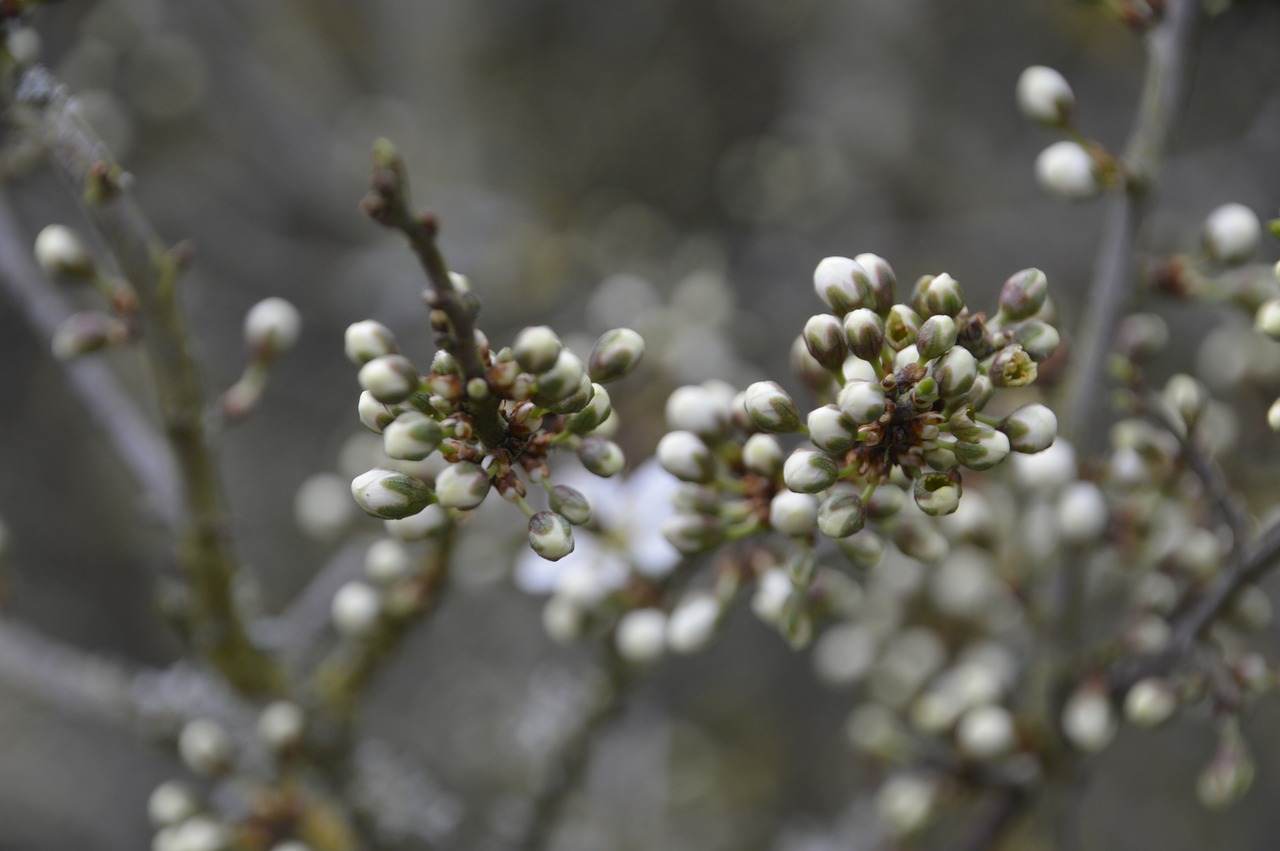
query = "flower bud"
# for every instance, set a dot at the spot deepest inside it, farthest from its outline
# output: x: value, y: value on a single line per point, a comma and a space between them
x: 864, y: 549
x: 571, y: 504
x: 1231, y: 234
x: 281, y: 725
x: 770, y: 408
x: 1088, y: 721
x: 367, y: 340
x: 1045, y: 96
x: 271, y: 328
x: 842, y: 284
x: 941, y: 295
x: 985, y: 732
x: 1142, y: 336
x: 412, y: 436
x: 373, y: 414
x: 1031, y: 428
x: 1186, y: 396
x: 171, y: 803
x: 1067, y: 170
x: 85, y: 332
x: 830, y: 430
x: 61, y: 253
x: 615, y: 354
x: 692, y: 624
x: 697, y: 409
x: 1012, y: 367
x: 1038, y: 339
x: 550, y: 535
x: 427, y: 523
x: 1273, y: 416
x: 1023, y: 294
x: 562, y: 380
x: 1267, y: 319
x: 862, y: 401
x: 1150, y: 703
x: 905, y: 803
x: 762, y: 454
x: 390, y: 378
x: 1229, y: 774
x: 602, y: 457
x: 205, y: 747
x: 1082, y: 513
x: 201, y: 833
x: 901, y: 327
x: 882, y: 280
x: 692, y: 533
x: 988, y: 450
x: 773, y: 590
x: 978, y: 394
x: 954, y: 372
x: 463, y: 485
x: 793, y: 514
x: 387, y: 561
x: 937, y: 494
x: 685, y: 456
x: 814, y: 375
x: 641, y: 636
x: 936, y: 336
x: 563, y: 619
x: 864, y: 329
x: 355, y: 609
x: 593, y: 415
x: 842, y: 515
x: 807, y: 471
x: 390, y: 494
x: 536, y: 349
x: 825, y: 341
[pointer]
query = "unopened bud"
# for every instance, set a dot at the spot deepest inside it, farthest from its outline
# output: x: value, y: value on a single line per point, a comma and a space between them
x: 387, y: 561
x: 1231, y: 234
x: 641, y: 636
x: 373, y: 414
x: 1141, y: 336
x: 550, y: 535
x: 941, y: 295
x: 692, y: 533
x: 355, y: 609
x: 1031, y: 428
x: 390, y: 378
x: 986, y: 732
x: 1273, y: 416
x: 830, y: 430
x: 793, y: 514
x: 1045, y: 96
x: 685, y: 456
x: 936, y: 336
x: 1012, y: 367
x: 882, y: 280
x: 1038, y: 339
x: 762, y: 454
x: 842, y: 515
x: 692, y: 624
x: 412, y: 436
x: 937, y: 494
x: 698, y: 409
x: 1150, y: 703
x: 171, y: 803
x: 808, y: 471
x: 905, y: 803
x: 988, y: 450
x: 271, y: 328
x: 1068, y: 171
x: 205, y: 747
x: 615, y: 354
x: 1082, y: 513
x: 1088, y: 721
x: 281, y: 725
x: 864, y: 329
x: 463, y: 485
x: 367, y: 340
x: 955, y: 372
x: 89, y: 331
x: 1267, y: 319
x: 1229, y: 774
x: 390, y: 494
x: 901, y: 327
x: 565, y: 378
x: 61, y: 253
x: 825, y: 341
x: 862, y: 401
x: 770, y: 408
x: 593, y: 415
x: 536, y: 349
x: 842, y: 284
x: 1187, y: 396
x: 1023, y: 294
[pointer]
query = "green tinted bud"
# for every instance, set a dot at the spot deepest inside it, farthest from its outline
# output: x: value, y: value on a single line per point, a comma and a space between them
x: 830, y: 430
x: 807, y: 471
x: 862, y: 401
x: 924, y: 394
x: 412, y: 436
x: 920, y: 540
x: 1039, y: 339
x: 886, y: 501
x: 762, y: 454
x: 793, y: 514
x: 814, y: 375
x: 536, y: 349
x: 570, y: 503
x: 602, y: 457
x: 984, y: 453
x: 373, y: 414
x: 573, y: 403
x: 841, y: 515
x: 824, y: 339
x: 1141, y: 336
x: 936, y: 336
x: 937, y: 494
x: 842, y: 284
x: 1031, y: 428
x: 367, y: 340
x: 941, y: 295
x: 770, y: 408
x: 550, y: 535
x: 1228, y: 775
x: 941, y: 457
x: 462, y: 485
x: 614, y: 355
x: 901, y: 327
x: 563, y: 379
x: 1023, y: 294
x: 692, y: 533
x: 390, y: 494
x: 1012, y: 367
x: 978, y: 394
x: 685, y: 456
x: 444, y: 363
x: 864, y: 329
x: 882, y: 280
x: 390, y: 378
x: 863, y: 549
x: 596, y: 412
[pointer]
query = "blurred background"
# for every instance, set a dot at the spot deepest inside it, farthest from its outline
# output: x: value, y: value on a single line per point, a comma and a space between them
x: 678, y: 167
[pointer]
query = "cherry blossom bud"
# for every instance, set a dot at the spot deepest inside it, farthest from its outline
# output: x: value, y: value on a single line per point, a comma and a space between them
x: 1150, y: 702
x: 570, y: 503
x: 85, y: 332
x: 1012, y: 367
x: 61, y: 253
x: 936, y: 494
x: 762, y: 454
x: 936, y: 336
x: 1231, y: 234
x: 281, y: 724
x: 773, y: 590
x: 842, y: 284
x: 1267, y: 319
x: 692, y: 533
x: 390, y: 378
x: 205, y: 747
x: 1187, y: 396
x: 1088, y: 721
x: 172, y: 802
x: 1067, y: 170
x: 985, y: 732
x: 692, y: 624
x: 1031, y: 428
x: 685, y: 456
x: 793, y: 514
x: 565, y: 378
x: 536, y: 349
x: 697, y: 409
x: 901, y: 327
x: 387, y: 561
x: 615, y: 354
x: 808, y: 471
x: 862, y: 401
x: 905, y: 803
x: 882, y: 280
x: 842, y: 515
x: 602, y: 457
x: 563, y: 619
x: 355, y: 609
x: 830, y: 430
x: 1082, y: 513
x: 367, y: 340
x: 271, y: 328
x: 988, y: 450
x: 427, y: 523
x: 550, y: 535
x: 412, y: 436
x: 641, y: 636
x: 374, y: 415
x: 1229, y: 774
x: 463, y: 485
x: 1045, y: 96
x: 1023, y: 294
x: 770, y: 408
x: 591, y: 417
x: 824, y: 339
x: 941, y: 295
x: 955, y: 372
x: 390, y: 494
x: 1038, y: 339
x: 864, y: 329
x: 201, y: 833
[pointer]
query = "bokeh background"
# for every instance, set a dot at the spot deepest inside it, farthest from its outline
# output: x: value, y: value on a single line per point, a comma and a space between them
x: 674, y: 165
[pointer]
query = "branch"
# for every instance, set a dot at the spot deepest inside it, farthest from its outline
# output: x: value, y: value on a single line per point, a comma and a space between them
x: 144, y: 453
x: 1169, y: 54
x: 985, y: 829
x: 296, y: 630
x: 204, y: 552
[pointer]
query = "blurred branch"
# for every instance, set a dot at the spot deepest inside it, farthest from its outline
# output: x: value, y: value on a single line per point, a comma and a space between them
x: 987, y: 827
x: 204, y: 552
x: 296, y: 630
x: 1170, y: 48
x: 140, y: 447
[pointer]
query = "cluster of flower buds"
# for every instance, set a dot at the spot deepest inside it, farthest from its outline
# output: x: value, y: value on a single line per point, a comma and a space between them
x: 62, y: 255
x: 1075, y: 168
x: 491, y: 432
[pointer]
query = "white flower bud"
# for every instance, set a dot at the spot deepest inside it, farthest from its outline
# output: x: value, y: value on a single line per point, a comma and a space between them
x: 201, y: 833
x: 986, y: 732
x: 1150, y: 703
x: 390, y: 494
x: 940, y: 295
x: 830, y: 430
x: 846, y: 653
x: 412, y: 436
x: 1023, y: 294
x: 773, y: 589
x: 23, y: 44
x: 1251, y: 609
x: 1082, y: 513
x: 697, y: 409
x: 842, y: 515
x: 61, y: 253
x: 842, y: 284
x: 1045, y: 96
x: 374, y: 415
x: 272, y: 327
x: 1267, y: 319
x: 901, y: 327
x: 685, y: 456
x: 692, y: 533
x: 550, y: 535
x: 762, y: 454
x: 614, y: 355
x: 1048, y: 471
x: 882, y: 280
x: 824, y: 339
x: 570, y: 503
x: 1067, y: 170
x: 862, y: 401
x: 865, y: 332
x: 281, y: 724
x: 562, y: 619
x: 171, y: 803
x: 1088, y: 721
x: 1231, y: 234
x: 808, y: 471
x: 564, y: 379
x: 937, y: 494
x: 1228, y: 775
x: 692, y: 624
x: 936, y: 336
x: 641, y: 636
x: 1031, y: 428
x: 536, y: 349
x: 1273, y: 416
x: 905, y: 803
x: 463, y: 485
x: 205, y: 746
x: 793, y: 514
x: 322, y: 506
x: 1186, y: 396
x: 770, y: 408
x: 355, y: 609
x: 427, y: 523
x: 367, y: 340
x: 390, y: 378
x: 602, y: 457
x: 387, y: 561
x: 988, y: 450
x: 955, y: 372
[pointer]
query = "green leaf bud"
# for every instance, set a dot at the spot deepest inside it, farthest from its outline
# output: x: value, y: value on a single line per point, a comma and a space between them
x: 901, y: 327
x: 550, y: 535
x: 842, y: 284
x: 985, y: 452
x: 615, y: 354
x: 602, y: 457
x: 1023, y: 294
x: 830, y: 430
x: 770, y: 408
x: 367, y: 340
x: 862, y: 402
x: 824, y: 339
x: 864, y: 329
x: 536, y: 349
x: 1039, y: 339
x: 937, y: 493
x: 841, y: 515
x: 684, y: 455
x: 462, y: 485
x: 390, y: 378
x: 762, y: 454
x: 882, y: 280
x: 793, y: 514
x: 1031, y: 428
x: 809, y: 471
x: 390, y: 494
x: 1012, y: 367
x: 570, y: 503
x: 936, y: 336
x: 412, y: 436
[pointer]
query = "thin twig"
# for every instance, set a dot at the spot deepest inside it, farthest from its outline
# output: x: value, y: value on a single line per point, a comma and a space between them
x: 1007, y: 804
